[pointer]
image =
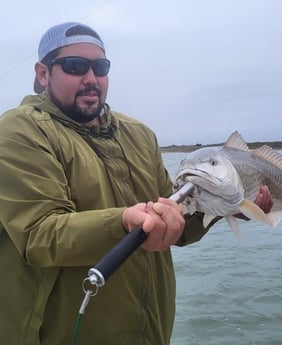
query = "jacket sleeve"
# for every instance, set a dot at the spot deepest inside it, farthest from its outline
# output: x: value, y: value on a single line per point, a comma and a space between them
x: 35, y: 205
x: 194, y: 229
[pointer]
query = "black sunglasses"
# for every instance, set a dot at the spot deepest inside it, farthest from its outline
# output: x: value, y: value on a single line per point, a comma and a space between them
x: 77, y: 65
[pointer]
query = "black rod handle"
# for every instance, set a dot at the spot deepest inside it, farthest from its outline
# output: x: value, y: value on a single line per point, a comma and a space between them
x: 116, y: 256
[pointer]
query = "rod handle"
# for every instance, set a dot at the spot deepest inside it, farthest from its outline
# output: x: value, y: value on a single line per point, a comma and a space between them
x: 116, y: 256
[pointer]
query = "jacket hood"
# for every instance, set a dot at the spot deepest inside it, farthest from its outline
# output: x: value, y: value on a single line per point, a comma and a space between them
x: 42, y: 102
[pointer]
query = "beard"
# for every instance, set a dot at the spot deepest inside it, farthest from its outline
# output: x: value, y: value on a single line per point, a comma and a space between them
x: 75, y: 112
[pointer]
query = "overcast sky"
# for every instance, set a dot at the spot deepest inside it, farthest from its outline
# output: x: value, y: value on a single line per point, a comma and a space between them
x: 193, y: 70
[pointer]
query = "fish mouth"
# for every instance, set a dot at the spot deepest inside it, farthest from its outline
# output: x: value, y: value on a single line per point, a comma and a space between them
x: 201, y: 180
x: 196, y: 175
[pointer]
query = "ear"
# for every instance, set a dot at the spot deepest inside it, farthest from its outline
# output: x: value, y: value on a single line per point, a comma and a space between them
x: 41, y: 72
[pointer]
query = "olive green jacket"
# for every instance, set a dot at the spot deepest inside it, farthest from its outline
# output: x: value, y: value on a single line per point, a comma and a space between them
x: 63, y: 188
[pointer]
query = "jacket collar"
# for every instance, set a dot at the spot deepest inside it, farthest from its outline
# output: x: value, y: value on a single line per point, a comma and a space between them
x: 42, y: 102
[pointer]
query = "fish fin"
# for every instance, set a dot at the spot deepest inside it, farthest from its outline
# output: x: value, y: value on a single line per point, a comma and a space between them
x: 253, y: 211
x: 275, y: 218
x: 188, y: 209
x: 236, y: 141
x: 232, y: 222
x: 207, y: 219
x: 265, y: 152
x: 268, y: 154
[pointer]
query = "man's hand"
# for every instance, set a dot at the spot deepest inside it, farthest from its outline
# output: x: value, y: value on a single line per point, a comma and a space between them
x: 263, y: 200
x: 163, y: 221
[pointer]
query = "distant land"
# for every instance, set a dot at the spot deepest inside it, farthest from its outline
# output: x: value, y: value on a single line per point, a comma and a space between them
x: 277, y: 145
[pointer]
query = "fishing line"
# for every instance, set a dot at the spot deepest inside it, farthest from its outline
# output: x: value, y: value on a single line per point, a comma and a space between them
x: 22, y: 63
x: 88, y: 294
x: 98, y: 7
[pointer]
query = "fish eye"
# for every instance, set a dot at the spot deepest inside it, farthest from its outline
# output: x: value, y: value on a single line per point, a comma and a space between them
x: 213, y: 162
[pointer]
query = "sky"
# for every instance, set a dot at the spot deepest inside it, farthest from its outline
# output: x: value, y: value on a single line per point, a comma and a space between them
x: 194, y: 71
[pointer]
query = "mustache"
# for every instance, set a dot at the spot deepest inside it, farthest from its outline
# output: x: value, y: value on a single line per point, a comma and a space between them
x: 89, y: 89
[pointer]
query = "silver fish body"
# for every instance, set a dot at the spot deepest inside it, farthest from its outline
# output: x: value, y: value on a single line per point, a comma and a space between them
x: 255, y: 171
x: 227, y: 181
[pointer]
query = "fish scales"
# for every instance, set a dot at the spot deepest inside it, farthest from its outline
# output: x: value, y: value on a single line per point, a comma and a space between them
x: 254, y: 172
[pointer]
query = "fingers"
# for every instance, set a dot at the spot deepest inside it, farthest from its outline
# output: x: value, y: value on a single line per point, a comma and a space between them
x: 264, y: 199
x: 165, y: 224
x: 163, y: 221
x: 171, y: 203
x: 134, y: 216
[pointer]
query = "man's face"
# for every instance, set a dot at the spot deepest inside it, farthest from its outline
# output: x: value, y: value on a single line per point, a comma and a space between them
x: 78, y: 96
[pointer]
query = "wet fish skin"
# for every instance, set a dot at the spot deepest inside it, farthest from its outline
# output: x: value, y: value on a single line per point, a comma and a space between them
x: 227, y: 181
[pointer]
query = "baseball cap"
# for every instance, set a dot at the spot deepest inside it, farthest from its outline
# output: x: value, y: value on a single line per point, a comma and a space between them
x: 63, y: 35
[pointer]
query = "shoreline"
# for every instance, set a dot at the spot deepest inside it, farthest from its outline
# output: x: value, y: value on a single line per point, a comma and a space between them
x: 276, y: 145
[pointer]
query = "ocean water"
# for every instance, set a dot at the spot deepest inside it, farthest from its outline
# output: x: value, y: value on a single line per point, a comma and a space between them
x: 229, y: 292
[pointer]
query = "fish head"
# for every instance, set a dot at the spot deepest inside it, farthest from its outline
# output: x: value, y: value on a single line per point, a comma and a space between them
x: 218, y: 184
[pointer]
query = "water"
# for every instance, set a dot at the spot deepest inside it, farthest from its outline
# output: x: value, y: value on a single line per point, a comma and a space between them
x: 229, y: 292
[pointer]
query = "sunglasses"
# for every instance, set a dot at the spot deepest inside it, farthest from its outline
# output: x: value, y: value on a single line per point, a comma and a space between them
x: 76, y: 65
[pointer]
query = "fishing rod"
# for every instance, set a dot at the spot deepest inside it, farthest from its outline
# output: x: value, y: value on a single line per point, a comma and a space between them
x: 116, y: 256
x: 98, y: 274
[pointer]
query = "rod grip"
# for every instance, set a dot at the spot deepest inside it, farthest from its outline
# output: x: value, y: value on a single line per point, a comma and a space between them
x: 118, y: 254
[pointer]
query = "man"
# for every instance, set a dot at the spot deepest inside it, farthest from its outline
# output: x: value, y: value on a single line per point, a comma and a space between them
x: 75, y: 178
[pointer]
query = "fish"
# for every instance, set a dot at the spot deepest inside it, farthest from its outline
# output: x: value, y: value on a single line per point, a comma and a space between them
x: 227, y: 180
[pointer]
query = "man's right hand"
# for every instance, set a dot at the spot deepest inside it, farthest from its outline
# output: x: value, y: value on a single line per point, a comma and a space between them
x: 163, y: 220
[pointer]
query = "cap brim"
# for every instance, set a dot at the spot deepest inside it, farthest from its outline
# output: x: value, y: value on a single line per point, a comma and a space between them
x: 37, y: 87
